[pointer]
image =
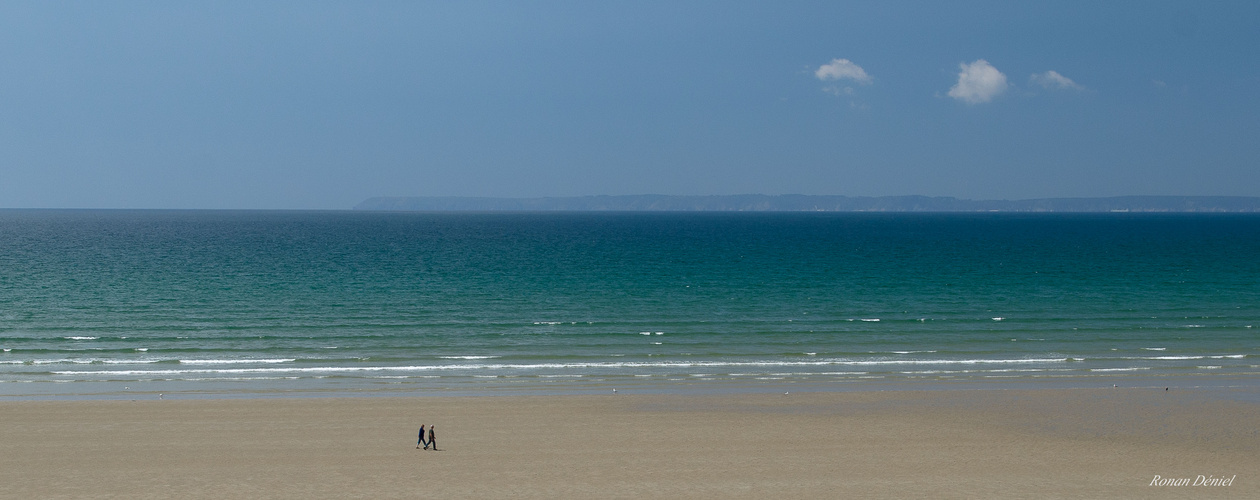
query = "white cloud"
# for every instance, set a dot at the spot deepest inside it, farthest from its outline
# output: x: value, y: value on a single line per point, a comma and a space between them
x: 1052, y: 80
x: 978, y: 82
x: 840, y: 69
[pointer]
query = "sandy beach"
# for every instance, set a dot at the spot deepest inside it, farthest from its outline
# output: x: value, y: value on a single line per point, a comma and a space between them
x: 1038, y: 443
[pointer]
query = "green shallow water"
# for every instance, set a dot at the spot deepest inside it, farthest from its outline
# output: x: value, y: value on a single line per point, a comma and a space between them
x: 106, y: 302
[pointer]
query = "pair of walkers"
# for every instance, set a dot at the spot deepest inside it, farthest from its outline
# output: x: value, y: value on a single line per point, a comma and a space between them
x: 431, y: 442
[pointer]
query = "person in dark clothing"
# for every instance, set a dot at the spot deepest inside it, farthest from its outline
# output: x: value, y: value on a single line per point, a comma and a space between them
x: 432, y: 440
x: 421, y: 440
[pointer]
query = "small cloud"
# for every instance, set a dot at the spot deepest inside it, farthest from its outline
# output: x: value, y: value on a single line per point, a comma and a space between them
x: 978, y: 82
x: 842, y: 69
x: 1052, y: 80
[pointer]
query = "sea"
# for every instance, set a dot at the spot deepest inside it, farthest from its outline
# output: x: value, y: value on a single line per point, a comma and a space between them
x: 150, y: 303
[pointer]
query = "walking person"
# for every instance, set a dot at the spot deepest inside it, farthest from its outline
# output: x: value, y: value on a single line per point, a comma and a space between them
x: 432, y: 440
x: 421, y: 440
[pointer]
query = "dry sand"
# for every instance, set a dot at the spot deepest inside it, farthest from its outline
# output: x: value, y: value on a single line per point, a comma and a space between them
x: 1044, y: 443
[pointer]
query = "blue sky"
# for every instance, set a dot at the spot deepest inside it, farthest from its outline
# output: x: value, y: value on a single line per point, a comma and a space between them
x: 319, y: 105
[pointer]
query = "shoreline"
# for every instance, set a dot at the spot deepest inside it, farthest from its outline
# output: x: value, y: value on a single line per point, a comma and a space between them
x: 1242, y: 383
x: 876, y: 444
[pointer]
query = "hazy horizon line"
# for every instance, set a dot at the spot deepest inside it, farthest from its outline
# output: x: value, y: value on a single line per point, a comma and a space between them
x: 943, y: 198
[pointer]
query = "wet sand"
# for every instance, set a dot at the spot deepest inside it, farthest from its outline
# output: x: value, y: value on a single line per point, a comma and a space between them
x: 1040, y: 443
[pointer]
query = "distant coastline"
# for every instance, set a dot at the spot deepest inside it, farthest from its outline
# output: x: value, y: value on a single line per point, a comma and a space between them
x: 810, y: 203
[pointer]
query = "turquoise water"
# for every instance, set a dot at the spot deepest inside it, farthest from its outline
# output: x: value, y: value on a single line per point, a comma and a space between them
x: 117, y: 303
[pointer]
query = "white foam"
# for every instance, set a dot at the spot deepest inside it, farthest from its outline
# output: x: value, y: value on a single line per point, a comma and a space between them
x: 80, y: 338
x: 568, y: 366
x: 233, y: 361
x: 1023, y: 370
x: 998, y: 319
x: 62, y: 361
x: 1182, y: 358
x: 1154, y: 348
x: 872, y: 320
x: 469, y: 357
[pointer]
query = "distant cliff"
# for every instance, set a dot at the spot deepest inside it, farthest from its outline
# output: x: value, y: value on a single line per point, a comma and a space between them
x: 803, y: 203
